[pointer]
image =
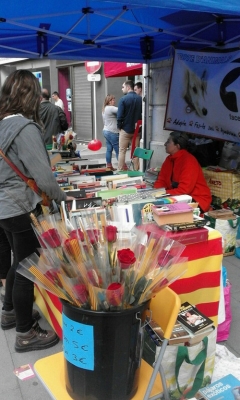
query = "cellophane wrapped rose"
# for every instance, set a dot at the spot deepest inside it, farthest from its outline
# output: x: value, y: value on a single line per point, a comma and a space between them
x: 93, y: 264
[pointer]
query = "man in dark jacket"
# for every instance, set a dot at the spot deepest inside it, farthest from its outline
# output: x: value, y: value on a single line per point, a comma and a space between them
x: 53, y: 118
x: 129, y: 112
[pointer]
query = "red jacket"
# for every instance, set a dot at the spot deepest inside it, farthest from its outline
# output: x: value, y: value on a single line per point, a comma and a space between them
x: 183, y: 167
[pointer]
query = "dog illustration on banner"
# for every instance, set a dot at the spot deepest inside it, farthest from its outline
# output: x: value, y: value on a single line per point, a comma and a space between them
x: 195, y: 90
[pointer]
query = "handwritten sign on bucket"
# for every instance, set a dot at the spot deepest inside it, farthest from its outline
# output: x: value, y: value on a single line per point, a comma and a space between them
x: 78, y: 343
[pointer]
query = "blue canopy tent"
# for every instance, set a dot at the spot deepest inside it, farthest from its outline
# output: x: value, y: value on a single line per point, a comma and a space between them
x: 115, y: 30
x: 134, y: 31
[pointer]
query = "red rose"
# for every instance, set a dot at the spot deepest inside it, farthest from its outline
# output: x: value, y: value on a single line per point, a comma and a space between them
x: 93, y: 235
x: 126, y: 258
x: 114, y: 294
x: 77, y: 233
x: 52, y: 276
x: 111, y: 233
x: 50, y: 238
x: 81, y: 292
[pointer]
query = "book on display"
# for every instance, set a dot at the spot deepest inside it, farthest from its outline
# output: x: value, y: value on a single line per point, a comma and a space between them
x: 192, y: 319
x: 226, y: 388
x: 179, y: 334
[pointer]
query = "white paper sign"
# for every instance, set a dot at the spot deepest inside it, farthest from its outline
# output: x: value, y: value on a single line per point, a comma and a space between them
x: 93, y: 77
x: 204, y: 94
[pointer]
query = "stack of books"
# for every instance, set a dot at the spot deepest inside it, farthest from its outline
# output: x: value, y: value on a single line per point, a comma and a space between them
x: 171, y: 213
x: 190, y: 328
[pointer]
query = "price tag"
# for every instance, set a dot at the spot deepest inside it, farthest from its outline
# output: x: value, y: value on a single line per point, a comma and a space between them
x: 78, y: 343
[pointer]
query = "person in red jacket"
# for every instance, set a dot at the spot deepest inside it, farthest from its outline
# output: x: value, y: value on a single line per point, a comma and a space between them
x: 182, y: 174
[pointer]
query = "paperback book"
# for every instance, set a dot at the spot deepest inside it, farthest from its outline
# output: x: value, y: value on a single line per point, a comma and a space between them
x: 226, y: 388
x: 179, y: 334
x: 172, y: 213
x: 192, y: 319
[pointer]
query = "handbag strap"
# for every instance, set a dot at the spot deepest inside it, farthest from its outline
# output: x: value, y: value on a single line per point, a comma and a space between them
x: 30, y: 182
x: 13, y: 166
x: 182, y: 355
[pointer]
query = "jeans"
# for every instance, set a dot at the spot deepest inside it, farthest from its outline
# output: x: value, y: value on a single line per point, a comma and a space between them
x: 112, y: 143
x: 5, y: 255
x: 20, y: 290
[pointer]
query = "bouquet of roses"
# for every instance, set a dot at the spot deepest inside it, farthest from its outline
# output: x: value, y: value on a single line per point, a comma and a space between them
x: 94, y: 264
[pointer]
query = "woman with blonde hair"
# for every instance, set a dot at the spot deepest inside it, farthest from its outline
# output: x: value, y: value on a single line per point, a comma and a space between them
x: 110, y: 130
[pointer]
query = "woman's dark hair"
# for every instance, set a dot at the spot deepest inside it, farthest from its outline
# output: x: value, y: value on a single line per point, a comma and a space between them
x: 182, y: 139
x: 20, y: 94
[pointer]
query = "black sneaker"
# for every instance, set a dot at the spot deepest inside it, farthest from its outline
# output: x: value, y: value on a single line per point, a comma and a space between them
x: 8, y: 318
x: 35, y: 339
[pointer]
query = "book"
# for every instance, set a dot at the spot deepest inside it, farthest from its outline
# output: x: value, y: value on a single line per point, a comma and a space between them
x: 226, y: 388
x: 179, y: 334
x: 171, y: 213
x: 185, y: 237
x: 77, y: 193
x: 192, y: 319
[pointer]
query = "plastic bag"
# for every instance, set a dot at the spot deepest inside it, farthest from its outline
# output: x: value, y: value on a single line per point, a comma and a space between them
x: 237, y: 250
x: 223, y: 329
x: 228, y: 229
x: 186, y: 369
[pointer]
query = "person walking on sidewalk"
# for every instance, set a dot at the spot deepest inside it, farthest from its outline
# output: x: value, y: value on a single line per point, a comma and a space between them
x: 110, y: 130
x: 129, y: 112
x: 53, y: 118
x: 22, y: 142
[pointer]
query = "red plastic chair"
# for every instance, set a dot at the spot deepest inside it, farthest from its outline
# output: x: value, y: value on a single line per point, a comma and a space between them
x: 136, y: 132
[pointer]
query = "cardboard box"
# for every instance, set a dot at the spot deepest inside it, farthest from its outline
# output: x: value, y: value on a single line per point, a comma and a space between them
x: 225, y: 185
x: 172, y: 213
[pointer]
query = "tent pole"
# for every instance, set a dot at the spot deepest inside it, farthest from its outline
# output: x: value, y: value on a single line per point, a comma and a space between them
x: 145, y: 105
x: 94, y: 110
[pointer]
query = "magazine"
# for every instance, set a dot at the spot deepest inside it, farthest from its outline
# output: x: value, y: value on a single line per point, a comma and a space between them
x: 192, y: 319
x: 226, y: 388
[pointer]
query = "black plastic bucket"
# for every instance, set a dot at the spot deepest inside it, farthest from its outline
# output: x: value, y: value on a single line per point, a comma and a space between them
x: 102, y: 352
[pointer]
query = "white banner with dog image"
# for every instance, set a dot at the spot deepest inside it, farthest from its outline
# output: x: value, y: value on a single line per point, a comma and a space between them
x: 204, y: 94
